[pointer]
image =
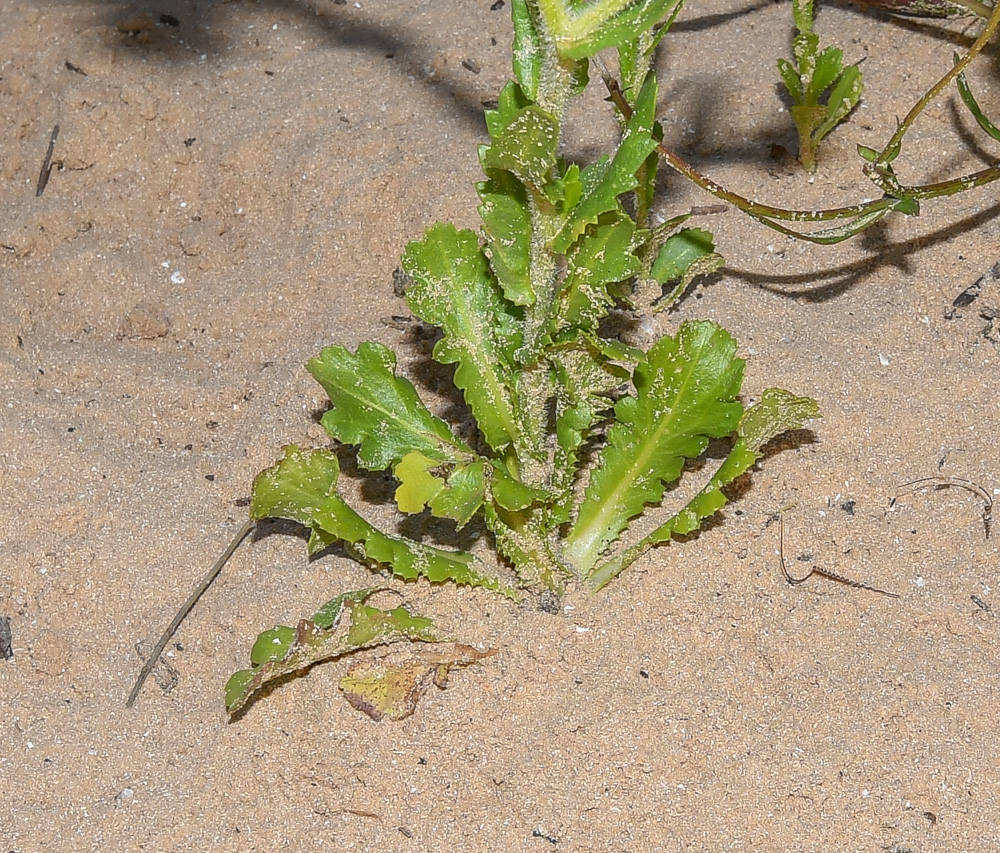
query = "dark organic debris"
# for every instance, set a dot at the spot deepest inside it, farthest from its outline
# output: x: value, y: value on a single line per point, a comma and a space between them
x: 6, y: 641
x: 973, y: 291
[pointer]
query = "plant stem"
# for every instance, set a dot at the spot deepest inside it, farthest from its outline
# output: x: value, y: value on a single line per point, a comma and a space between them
x: 864, y: 214
x: 896, y: 140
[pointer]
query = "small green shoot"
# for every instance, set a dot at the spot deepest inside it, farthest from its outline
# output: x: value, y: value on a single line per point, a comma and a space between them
x: 814, y: 75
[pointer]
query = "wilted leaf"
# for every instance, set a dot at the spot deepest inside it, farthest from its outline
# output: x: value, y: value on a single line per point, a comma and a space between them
x: 343, y: 625
x: 392, y: 685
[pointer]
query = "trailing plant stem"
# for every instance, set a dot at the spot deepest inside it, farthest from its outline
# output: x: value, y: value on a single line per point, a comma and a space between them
x: 863, y: 215
x: 892, y: 147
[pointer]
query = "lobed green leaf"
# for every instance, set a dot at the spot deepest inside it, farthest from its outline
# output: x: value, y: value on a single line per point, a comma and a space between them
x: 510, y: 493
x: 509, y: 103
x: 528, y: 48
x: 790, y: 77
x: 592, y: 27
x: 844, y: 98
x: 302, y: 487
x: 454, y: 290
x: 686, y: 392
x: 589, y: 370
x: 679, y: 251
x: 296, y: 486
x: 378, y: 410
x: 507, y: 224
x: 606, y: 255
x: 406, y: 558
x: 802, y: 11
x: 777, y: 412
x: 683, y: 257
x: 526, y: 146
x: 829, y: 66
x: 805, y: 47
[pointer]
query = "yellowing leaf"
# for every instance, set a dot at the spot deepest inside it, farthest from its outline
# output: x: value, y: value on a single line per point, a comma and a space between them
x: 392, y: 685
x: 451, y: 491
x: 343, y: 625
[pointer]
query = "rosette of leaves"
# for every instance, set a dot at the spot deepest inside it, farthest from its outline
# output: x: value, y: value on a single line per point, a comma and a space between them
x: 579, y: 433
x: 520, y: 309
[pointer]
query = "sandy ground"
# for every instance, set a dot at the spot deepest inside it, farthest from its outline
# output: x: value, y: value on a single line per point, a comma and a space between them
x: 233, y: 186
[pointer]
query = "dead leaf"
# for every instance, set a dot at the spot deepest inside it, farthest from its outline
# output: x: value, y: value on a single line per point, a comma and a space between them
x: 391, y: 686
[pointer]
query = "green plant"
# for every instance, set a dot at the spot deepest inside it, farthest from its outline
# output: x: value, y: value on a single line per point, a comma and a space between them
x: 850, y: 220
x: 579, y: 434
x: 815, y: 74
x: 520, y: 315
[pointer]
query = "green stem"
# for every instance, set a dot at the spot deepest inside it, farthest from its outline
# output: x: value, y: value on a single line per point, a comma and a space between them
x: 752, y: 207
x: 863, y: 215
x: 955, y: 185
x: 544, y: 274
x: 891, y: 149
x: 555, y: 84
x: 980, y: 9
x: 556, y: 81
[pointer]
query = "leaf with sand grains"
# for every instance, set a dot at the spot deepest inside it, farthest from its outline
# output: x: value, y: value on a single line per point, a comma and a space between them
x: 392, y: 685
